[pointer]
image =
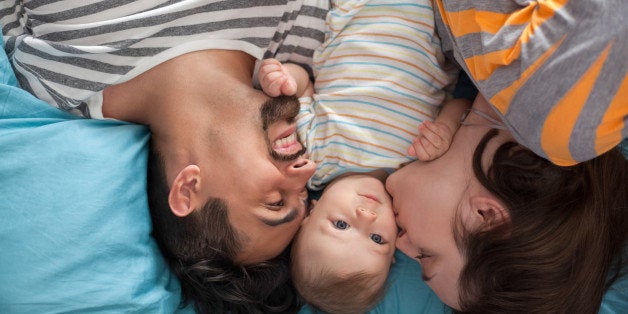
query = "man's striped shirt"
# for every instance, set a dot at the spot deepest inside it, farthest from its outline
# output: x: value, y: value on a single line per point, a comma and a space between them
x: 66, y: 52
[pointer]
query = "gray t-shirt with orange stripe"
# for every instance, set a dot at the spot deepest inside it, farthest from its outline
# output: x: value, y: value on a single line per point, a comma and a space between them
x: 555, y: 70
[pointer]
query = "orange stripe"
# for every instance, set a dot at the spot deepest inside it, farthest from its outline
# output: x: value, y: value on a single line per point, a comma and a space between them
x: 544, y: 12
x: 411, y: 108
x: 608, y: 134
x: 378, y: 121
x: 502, y: 99
x: 473, y: 21
x: 384, y: 57
x: 483, y: 66
x: 357, y: 6
x: 361, y: 142
x: 364, y: 79
x: 387, y: 16
x: 560, y: 121
x: 345, y: 160
x: 406, y: 38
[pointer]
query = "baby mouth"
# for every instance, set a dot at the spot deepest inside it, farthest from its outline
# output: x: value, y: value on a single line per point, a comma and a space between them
x: 370, y: 197
x: 287, y: 145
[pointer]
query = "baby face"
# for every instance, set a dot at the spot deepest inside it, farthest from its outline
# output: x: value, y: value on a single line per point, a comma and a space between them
x: 351, y: 227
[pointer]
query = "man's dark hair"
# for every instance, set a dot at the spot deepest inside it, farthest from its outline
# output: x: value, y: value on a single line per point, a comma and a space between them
x: 200, y: 249
x: 562, y: 247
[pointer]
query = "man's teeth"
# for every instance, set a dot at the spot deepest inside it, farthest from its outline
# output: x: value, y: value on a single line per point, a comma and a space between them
x: 286, y: 141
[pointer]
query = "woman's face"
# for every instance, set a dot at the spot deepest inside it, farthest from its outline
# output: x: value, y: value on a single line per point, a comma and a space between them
x: 429, y: 198
x: 425, y: 199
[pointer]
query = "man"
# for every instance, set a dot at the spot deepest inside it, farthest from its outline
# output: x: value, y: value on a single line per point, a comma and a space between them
x: 226, y: 175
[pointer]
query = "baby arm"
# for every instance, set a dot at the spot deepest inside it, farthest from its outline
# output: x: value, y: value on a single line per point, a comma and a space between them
x: 436, y: 136
x: 284, y: 79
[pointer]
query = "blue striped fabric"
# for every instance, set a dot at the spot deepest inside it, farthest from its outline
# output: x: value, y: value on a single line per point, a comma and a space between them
x: 379, y: 74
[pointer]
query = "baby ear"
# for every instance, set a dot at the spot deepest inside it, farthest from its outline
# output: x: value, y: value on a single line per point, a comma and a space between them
x: 183, y: 193
x: 488, y: 212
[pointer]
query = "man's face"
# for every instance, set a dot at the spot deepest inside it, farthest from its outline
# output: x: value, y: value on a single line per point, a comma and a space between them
x: 264, y: 180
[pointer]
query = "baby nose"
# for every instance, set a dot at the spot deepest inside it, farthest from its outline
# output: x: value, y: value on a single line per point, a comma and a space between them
x: 366, y: 213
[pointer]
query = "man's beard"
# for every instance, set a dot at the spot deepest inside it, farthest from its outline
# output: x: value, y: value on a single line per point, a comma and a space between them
x: 282, y: 108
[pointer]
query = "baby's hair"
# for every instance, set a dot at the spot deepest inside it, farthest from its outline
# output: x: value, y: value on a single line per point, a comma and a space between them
x: 331, y: 292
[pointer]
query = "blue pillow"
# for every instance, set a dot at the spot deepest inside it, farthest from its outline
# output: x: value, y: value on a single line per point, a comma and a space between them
x: 74, y: 221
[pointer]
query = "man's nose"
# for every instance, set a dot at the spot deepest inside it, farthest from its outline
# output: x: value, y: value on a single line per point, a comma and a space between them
x: 365, y: 214
x: 299, y: 171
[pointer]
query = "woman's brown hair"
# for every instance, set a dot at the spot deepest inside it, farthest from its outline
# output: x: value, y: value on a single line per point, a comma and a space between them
x: 562, y: 246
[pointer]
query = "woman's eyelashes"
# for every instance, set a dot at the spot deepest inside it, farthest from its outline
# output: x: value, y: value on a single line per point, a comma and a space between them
x: 342, y: 225
x: 422, y: 255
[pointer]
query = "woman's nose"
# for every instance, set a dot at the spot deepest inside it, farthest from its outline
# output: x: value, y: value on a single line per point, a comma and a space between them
x: 390, y: 183
x: 365, y: 214
x: 402, y: 243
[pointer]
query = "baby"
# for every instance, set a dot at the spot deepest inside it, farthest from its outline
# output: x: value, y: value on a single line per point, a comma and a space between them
x: 379, y: 74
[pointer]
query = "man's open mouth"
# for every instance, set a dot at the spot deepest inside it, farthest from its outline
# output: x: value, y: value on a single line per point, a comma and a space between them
x: 287, y: 145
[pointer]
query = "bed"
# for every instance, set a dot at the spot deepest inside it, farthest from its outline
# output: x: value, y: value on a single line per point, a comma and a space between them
x: 75, y: 226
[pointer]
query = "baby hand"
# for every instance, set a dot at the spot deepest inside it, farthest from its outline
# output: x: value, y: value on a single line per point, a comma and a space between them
x: 275, y: 79
x: 433, y: 141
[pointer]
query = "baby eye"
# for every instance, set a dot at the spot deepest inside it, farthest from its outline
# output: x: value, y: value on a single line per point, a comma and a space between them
x: 340, y: 224
x: 377, y: 238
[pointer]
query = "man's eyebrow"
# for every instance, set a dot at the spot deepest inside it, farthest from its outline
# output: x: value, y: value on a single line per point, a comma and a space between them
x: 287, y: 218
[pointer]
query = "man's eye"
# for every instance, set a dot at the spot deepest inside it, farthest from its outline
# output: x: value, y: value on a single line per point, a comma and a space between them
x: 340, y: 224
x: 276, y: 204
x: 377, y: 238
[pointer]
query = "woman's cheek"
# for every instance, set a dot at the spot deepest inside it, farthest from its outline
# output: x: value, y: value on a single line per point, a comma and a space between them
x: 404, y: 245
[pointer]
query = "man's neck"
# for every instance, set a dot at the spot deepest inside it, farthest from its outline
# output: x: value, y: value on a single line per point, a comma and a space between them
x: 177, y: 87
x: 187, y: 102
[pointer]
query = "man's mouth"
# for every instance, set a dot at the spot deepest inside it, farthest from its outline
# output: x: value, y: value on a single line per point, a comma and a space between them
x: 287, y: 145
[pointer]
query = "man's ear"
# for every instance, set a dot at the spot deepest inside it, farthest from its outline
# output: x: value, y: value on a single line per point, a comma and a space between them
x: 183, y: 191
x: 488, y: 212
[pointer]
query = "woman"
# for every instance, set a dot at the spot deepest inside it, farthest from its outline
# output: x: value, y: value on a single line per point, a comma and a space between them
x: 498, y: 229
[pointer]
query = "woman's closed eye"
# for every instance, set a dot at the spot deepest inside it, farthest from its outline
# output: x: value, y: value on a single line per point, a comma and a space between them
x: 341, y: 224
x: 422, y: 255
